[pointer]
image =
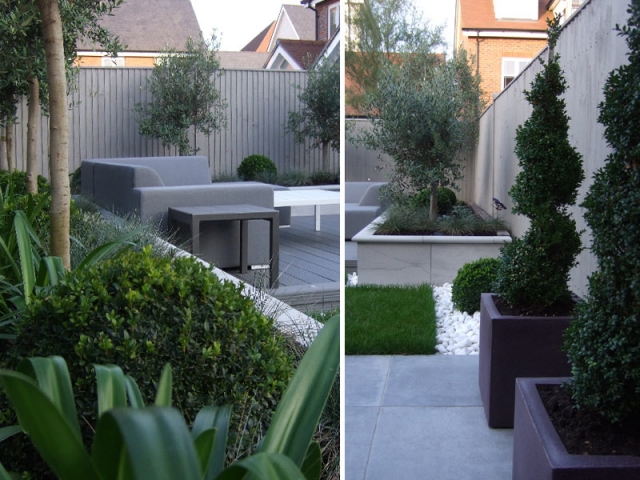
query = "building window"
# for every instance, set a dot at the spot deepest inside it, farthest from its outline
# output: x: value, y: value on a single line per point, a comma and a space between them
x: 511, y: 68
x: 334, y: 19
x: 113, y: 61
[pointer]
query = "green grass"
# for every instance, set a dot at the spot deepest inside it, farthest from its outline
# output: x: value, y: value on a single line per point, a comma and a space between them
x: 389, y: 320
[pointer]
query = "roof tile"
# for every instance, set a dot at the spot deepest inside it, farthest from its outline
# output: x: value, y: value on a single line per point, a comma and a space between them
x: 150, y: 25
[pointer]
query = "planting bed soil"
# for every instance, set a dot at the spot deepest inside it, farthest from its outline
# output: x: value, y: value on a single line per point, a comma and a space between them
x: 556, y: 310
x: 586, y: 432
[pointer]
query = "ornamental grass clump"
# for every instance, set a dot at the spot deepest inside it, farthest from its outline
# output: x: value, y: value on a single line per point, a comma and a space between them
x: 603, y: 341
x: 534, y: 272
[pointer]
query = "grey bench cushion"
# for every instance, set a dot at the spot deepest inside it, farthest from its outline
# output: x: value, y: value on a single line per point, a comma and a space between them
x: 147, y: 187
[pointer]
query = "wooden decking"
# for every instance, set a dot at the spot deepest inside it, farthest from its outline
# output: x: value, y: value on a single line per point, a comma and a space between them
x: 309, y: 265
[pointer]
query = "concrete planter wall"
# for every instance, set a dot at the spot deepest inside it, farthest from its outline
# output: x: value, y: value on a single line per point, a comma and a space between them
x: 538, y: 452
x: 415, y: 259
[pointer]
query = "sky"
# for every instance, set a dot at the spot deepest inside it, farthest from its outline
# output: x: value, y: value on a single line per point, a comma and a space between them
x: 238, y: 21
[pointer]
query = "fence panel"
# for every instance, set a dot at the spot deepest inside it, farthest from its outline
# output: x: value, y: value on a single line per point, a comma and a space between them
x: 102, y: 123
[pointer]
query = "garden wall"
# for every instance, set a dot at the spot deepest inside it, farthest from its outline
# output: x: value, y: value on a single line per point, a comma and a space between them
x: 102, y: 123
x: 589, y: 48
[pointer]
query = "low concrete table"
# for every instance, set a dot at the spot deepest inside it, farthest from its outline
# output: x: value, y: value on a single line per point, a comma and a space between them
x: 193, y: 216
x: 306, y: 197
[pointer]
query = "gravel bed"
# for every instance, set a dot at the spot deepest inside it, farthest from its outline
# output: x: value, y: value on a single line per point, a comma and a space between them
x: 458, y: 332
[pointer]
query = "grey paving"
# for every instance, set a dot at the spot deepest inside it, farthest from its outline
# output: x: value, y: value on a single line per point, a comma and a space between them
x: 420, y: 417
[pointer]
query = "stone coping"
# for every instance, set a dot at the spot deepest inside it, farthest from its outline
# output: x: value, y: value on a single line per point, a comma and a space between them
x: 367, y: 235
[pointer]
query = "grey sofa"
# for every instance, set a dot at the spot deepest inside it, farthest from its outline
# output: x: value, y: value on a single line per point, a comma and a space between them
x: 362, y: 205
x: 148, y: 186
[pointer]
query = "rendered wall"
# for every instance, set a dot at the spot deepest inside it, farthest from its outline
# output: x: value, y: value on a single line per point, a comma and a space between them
x: 589, y: 48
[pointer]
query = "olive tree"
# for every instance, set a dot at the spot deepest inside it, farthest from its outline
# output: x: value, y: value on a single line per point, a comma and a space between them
x: 184, y: 96
x: 424, y: 114
x: 62, y: 24
x: 319, y: 115
x: 380, y: 30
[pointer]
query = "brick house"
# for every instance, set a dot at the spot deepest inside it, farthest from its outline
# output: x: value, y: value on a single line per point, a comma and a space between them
x: 504, y: 36
x: 146, y: 28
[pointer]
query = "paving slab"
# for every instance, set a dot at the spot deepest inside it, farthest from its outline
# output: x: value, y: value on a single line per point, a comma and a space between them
x: 360, y: 425
x: 365, y: 379
x: 420, y: 417
x: 434, y: 380
x: 444, y: 443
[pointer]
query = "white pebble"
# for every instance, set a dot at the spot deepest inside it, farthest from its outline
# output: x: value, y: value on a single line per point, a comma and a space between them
x: 458, y: 332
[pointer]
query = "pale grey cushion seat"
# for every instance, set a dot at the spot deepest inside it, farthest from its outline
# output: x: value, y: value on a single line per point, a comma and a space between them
x: 363, y: 204
x: 148, y: 186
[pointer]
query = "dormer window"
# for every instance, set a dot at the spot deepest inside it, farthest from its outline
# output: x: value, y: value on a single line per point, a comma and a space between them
x: 112, y: 61
x: 334, y: 19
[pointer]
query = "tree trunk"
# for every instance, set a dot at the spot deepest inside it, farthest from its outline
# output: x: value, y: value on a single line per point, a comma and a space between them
x: 11, y: 155
x: 32, y: 136
x: 3, y: 151
x: 325, y: 157
x: 58, y: 130
x: 433, y: 203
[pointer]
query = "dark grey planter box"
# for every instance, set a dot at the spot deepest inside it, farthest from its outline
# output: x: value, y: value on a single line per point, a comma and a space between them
x: 512, y: 347
x: 538, y: 452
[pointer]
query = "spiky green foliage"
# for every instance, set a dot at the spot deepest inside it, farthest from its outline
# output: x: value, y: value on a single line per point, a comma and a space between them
x: 603, y: 342
x: 534, y: 273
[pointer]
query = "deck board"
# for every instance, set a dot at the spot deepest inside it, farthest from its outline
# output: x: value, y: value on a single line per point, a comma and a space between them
x: 309, y: 264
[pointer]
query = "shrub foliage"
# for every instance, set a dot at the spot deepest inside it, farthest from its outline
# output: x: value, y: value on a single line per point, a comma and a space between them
x: 141, y: 311
x: 603, y: 342
x: 534, y: 273
x: 473, y: 279
x: 253, y: 166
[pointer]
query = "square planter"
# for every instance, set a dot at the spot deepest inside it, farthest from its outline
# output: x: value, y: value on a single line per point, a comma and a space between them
x: 538, y: 452
x: 512, y: 347
x: 416, y: 259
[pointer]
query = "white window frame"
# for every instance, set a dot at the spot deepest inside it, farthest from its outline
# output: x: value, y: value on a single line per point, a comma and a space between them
x: 332, y: 27
x: 113, y: 61
x: 519, y: 63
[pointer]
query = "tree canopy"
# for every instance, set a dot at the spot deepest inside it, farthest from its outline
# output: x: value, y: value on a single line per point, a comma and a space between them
x: 184, y: 95
x: 319, y: 117
x: 423, y: 115
x: 381, y: 30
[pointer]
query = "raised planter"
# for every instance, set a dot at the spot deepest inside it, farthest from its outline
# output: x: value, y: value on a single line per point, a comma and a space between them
x: 538, y: 452
x: 416, y: 259
x: 512, y: 347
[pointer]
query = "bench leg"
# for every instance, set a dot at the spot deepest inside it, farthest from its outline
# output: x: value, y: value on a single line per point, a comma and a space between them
x: 316, y: 209
x: 195, y: 237
x: 274, y: 250
x: 244, y: 245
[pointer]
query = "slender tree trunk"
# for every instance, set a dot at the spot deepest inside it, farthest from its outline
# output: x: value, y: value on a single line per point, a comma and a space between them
x: 58, y: 130
x: 433, y: 204
x: 11, y: 155
x: 325, y: 157
x: 3, y: 151
x: 32, y: 136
